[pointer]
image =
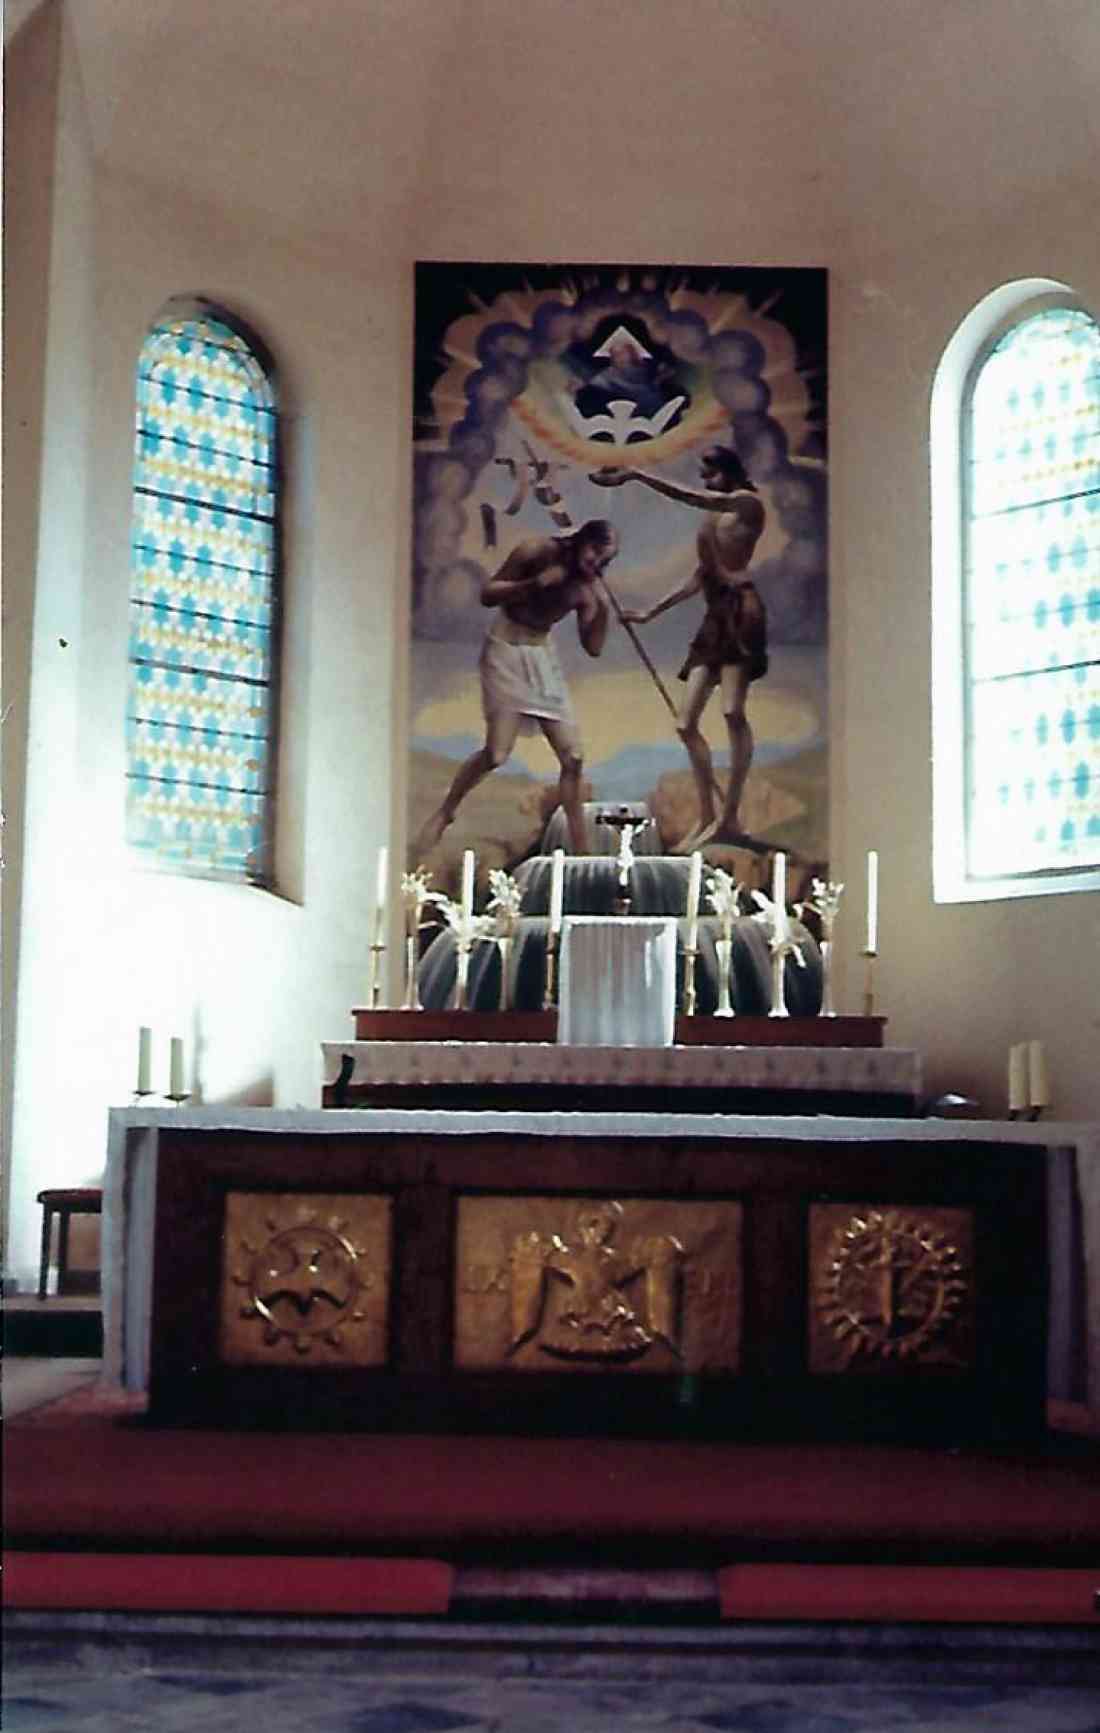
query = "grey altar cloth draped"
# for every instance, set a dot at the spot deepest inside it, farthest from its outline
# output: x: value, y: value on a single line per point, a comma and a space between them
x: 658, y: 885
x: 750, y: 969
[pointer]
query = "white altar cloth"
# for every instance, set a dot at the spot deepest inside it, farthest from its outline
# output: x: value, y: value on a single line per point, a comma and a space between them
x: 618, y: 981
x: 853, y: 1070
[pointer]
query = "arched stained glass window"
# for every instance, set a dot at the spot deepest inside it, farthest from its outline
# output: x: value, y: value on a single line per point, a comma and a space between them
x: 1028, y: 593
x: 204, y: 569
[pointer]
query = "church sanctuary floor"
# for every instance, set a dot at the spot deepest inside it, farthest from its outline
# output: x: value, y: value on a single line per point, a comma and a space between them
x: 537, y: 1651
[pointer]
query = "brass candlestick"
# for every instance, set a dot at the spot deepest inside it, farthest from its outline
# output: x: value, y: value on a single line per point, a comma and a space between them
x: 377, y: 952
x: 462, y: 973
x: 504, y: 946
x: 553, y: 943
x: 869, y: 983
x: 779, y: 985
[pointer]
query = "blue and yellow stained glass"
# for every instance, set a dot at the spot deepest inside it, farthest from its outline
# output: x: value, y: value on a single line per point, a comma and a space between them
x: 203, y: 551
x: 1033, y: 599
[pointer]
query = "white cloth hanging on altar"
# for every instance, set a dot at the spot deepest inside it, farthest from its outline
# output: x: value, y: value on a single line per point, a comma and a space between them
x: 618, y: 981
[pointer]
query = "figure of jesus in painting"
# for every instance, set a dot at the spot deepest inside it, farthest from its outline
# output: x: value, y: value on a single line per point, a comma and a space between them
x: 522, y: 685
x: 730, y: 648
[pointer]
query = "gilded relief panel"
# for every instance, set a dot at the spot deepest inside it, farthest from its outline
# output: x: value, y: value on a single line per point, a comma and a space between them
x: 305, y: 1279
x: 890, y: 1286
x: 577, y: 1284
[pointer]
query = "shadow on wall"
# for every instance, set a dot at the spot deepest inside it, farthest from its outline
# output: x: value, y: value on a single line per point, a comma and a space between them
x: 259, y: 1093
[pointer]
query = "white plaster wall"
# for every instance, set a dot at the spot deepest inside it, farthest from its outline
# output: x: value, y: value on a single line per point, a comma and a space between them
x: 251, y: 980
x: 51, y: 282
x: 960, y: 982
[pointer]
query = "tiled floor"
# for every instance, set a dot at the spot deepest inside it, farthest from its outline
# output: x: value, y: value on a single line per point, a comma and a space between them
x: 667, y: 1696
x: 89, y: 1673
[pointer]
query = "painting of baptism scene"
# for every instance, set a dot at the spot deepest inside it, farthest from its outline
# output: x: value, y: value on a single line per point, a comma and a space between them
x: 618, y: 667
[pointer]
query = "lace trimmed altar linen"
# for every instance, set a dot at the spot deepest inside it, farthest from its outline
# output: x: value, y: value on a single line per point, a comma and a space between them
x: 862, y: 1070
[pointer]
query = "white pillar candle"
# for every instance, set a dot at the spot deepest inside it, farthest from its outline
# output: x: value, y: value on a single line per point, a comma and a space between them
x: 872, y: 902
x: 779, y: 895
x: 175, y: 1068
x: 145, y: 1061
x: 1038, y: 1083
x: 468, y: 884
x: 1017, y: 1077
x: 557, y: 890
x: 695, y: 881
x: 383, y: 882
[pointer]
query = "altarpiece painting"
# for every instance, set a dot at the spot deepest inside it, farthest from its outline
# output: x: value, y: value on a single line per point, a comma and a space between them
x: 552, y: 400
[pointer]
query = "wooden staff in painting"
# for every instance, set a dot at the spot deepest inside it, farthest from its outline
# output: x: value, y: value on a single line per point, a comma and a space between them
x: 730, y: 648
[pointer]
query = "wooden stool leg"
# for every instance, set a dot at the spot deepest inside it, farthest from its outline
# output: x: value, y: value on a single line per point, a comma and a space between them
x: 63, y: 1251
x: 44, y: 1259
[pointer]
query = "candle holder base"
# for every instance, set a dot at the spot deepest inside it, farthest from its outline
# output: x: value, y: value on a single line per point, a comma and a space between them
x: 462, y: 971
x: 374, y: 997
x: 869, y: 983
x: 549, y: 994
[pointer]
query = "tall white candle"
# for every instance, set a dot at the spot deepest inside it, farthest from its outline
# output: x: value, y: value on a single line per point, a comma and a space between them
x: 145, y: 1061
x: 695, y: 880
x: 383, y: 881
x: 557, y: 890
x: 175, y: 1068
x: 1038, y: 1083
x: 779, y: 895
x: 872, y: 902
x: 468, y: 884
x: 1017, y: 1077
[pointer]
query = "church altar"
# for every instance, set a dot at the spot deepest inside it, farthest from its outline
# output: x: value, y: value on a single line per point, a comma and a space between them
x: 719, y: 1266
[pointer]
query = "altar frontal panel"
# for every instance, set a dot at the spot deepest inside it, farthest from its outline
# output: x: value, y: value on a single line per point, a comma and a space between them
x: 305, y: 1279
x: 581, y: 1284
x: 891, y: 1287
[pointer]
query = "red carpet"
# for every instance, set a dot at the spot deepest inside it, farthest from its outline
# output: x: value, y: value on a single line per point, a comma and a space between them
x: 198, y: 1582
x: 911, y: 1594
x: 82, y: 1478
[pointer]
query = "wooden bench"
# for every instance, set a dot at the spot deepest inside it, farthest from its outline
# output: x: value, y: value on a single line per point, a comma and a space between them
x: 63, y: 1203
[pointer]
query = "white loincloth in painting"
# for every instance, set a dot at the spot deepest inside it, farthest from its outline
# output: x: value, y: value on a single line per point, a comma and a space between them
x: 521, y: 676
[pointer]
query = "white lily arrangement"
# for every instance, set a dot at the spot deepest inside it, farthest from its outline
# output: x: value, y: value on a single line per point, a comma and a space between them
x: 415, y: 892
x: 724, y: 897
x: 824, y: 900
x: 504, y: 903
x: 467, y: 929
x: 778, y: 927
